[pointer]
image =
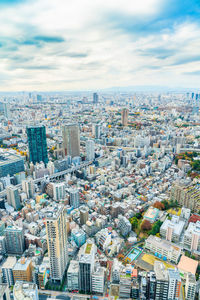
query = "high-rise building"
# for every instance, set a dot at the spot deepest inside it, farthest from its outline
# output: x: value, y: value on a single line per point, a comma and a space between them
x: 174, y: 284
x: 2, y: 245
x: 13, y: 196
x: 28, y: 187
x: 98, y: 280
x: 71, y: 140
x: 190, y: 287
x: 57, y: 241
x: 10, y: 164
x: 14, y: 240
x: 73, y: 276
x: 74, y: 198
x: 2, y: 228
x: 96, y: 130
x: 23, y: 269
x: 58, y: 191
x: 7, y: 270
x: 90, y: 150
x: 37, y: 144
x: 162, y: 282
x: 95, y: 98
x: 86, y: 266
x: 124, y: 114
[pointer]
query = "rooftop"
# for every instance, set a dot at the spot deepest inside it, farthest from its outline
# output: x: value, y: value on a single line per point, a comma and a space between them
x: 7, y: 158
x: 9, y: 263
x: 188, y: 265
x: 24, y: 290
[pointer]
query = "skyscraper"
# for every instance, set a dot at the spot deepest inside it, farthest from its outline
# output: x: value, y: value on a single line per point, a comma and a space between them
x: 97, y: 131
x: 90, y: 150
x: 71, y: 140
x: 14, y: 240
x: 86, y: 266
x: 124, y: 114
x: 13, y: 196
x: 37, y: 144
x: 95, y: 98
x: 57, y: 241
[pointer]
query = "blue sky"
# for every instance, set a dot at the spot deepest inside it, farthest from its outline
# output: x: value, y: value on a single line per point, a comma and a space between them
x: 82, y: 44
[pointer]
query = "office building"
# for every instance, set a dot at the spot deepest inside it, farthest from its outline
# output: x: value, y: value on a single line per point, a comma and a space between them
x: 90, y: 150
x: 125, y: 285
x: 71, y: 140
x: 190, y: 287
x: 172, y: 229
x: 86, y: 266
x: 74, y: 198
x: 162, y: 281
x: 95, y: 98
x: 163, y: 249
x: 57, y: 241
x: 10, y: 164
x: 124, y: 115
x: 25, y: 290
x: 7, y: 270
x: 4, y: 292
x: 22, y: 270
x: 14, y: 240
x: 28, y: 187
x: 191, y: 240
x: 13, y: 197
x: 174, y: 290
x: 73, y: 276
x: 83, y: 214
x: 37, y: 144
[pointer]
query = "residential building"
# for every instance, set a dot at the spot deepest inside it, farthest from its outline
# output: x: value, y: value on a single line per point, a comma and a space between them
x: 163, y: 249
x: 83, y: 214
x: 98, y: 280
x: 191, y: 240
x: 172, y: 229
x: 37, y: 144
x: 58, y: 191
x: 2, y: 245
x: 73, y: 276
x: 14, y: 240
x: 174, y: 290
x: 190, y: 287
x: 162, y: 281
x: 57, y: 241
x: 71, y: 140
x: 124, y: 225
x: 2, y: 228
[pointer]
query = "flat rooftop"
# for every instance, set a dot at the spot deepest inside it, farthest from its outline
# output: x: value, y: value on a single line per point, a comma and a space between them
x: 8, y: 158
x: 188, y: 265
x: 9, y: 263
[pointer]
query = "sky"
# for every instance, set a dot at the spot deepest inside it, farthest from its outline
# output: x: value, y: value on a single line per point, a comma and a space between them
x: 60, y: 45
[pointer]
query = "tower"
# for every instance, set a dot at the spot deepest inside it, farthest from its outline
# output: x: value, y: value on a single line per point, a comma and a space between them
x: 37, y: 144
x: 124, y: 114
x: 95, y: 98
x: 71, y: 140
x: 57, y: 241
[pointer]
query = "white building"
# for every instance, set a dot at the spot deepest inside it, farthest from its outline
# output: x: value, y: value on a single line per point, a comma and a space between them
x: 190, y: 287
x: 98, y: 279
x: 7, y: 270
x: 73, y: 276
x: 90, y: 150
x: 172, y: 229
x: 192, y: 237
x: 28, y: 187
x: 58, y: 191
x: 25, y: 290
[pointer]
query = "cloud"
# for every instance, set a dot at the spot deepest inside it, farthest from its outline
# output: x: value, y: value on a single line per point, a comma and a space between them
x: 84, y: 44
x: 194, y: 73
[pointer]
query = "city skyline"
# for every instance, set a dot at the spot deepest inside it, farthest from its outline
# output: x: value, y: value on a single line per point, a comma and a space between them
x: 81, y: 45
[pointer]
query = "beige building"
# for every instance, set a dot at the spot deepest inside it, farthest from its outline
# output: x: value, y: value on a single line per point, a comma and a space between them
x: 124, y: 114
x: 23, y: 270
x: 186, y: 194
x: 71, y: 140
x: 57, y: 241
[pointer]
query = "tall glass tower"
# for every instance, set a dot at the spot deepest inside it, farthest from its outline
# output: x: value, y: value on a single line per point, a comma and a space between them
x: 37, y: 144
